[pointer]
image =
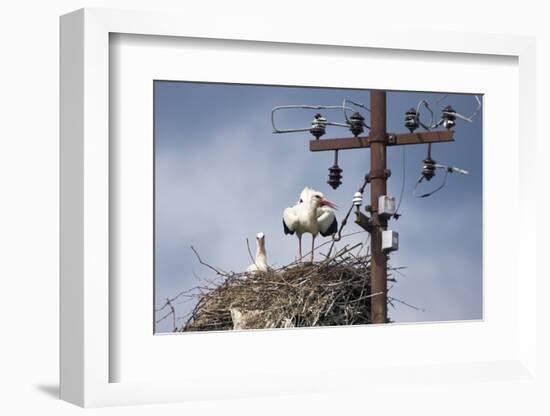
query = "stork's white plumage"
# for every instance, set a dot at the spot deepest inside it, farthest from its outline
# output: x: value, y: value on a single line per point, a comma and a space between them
x: 260, y: 260
x: 312, y: 214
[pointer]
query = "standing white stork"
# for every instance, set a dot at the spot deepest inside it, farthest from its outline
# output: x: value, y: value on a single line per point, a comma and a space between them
x: 312, y: 214
x: 260, y: 260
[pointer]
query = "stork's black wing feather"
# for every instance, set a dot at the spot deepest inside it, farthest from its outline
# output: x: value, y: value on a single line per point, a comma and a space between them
x: 332, y: 229
x: 287, y: 230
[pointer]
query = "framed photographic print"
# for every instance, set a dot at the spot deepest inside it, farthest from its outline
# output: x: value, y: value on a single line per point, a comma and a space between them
x: 236, y: 209
x: 247, y: 208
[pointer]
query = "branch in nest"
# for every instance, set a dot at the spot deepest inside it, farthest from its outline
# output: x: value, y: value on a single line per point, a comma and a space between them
x: 215, y: 269
x: 406, y: 304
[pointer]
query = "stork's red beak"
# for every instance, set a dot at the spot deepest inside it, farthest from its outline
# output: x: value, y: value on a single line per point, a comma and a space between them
x: 328, y: 203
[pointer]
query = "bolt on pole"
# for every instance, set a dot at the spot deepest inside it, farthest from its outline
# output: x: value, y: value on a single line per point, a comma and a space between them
x: 378, y: 177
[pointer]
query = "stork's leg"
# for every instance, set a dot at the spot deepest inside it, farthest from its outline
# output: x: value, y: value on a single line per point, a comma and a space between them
x: 299, y: 248
x: 312, y: 245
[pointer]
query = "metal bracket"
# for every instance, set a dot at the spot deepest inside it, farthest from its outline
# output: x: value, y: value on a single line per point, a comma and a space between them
x: 375, y: 139
x: 363, y: 221
x: 378, y: 174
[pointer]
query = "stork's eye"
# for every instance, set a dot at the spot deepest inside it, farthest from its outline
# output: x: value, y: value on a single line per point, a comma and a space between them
x: 301, y: 200
x: 317, y: 196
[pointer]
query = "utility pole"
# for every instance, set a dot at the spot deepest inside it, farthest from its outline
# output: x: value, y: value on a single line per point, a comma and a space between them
x: 378, y: 177
x: 378, y: 140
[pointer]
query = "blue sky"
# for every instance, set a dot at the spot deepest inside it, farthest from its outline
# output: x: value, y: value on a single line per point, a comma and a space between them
x: 221, y: 176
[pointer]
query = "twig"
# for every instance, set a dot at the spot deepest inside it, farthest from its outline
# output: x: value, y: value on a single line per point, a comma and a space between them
x: 174, y: 298
x: 172, y: 312
x: 218, y: 271
x: 407, y: 304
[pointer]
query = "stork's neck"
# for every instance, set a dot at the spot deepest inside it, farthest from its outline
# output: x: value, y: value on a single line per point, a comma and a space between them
x: 261, y: 259
x: 260, y: 250
x: 312, y: 211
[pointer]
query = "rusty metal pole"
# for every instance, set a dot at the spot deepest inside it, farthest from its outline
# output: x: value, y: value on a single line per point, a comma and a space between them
x: 378, y: 176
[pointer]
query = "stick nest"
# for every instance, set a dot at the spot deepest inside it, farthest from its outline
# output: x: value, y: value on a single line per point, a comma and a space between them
x: 335, y: 291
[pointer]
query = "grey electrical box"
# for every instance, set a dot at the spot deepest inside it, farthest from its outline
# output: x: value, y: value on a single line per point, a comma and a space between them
x: 386, y: 206
x: 390, y: 240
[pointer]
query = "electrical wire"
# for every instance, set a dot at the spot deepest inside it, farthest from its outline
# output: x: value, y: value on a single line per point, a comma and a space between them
x: 396, y: 214
x: 421, y: 178
x: 338, y: 236
x: 346, y: 108
x: 305, y: 107
x: 447, y: 169
x: 355, y: 103
x: 424, y: 126
x: 470, y: 119
x: 442, y: 98
x: 431, y: 125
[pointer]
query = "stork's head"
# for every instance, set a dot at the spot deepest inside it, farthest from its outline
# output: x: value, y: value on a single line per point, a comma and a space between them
x: 260, y: 239
x: 315, y: 199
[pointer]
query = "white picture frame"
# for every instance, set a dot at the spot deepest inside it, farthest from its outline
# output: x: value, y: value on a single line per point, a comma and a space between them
x: 87, y: 356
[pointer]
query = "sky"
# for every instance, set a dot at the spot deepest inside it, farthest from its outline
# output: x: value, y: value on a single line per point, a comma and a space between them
x: 222, y: 176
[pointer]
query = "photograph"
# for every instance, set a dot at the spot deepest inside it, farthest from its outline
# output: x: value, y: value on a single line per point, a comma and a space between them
x: 279, y: 207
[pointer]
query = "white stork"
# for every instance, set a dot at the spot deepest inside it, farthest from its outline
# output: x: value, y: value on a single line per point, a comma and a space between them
x: 260, y: 260
x: 312, y: 214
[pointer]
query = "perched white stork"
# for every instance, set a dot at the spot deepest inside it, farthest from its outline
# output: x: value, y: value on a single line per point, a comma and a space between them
x: 312, y: 214
x: 260, y: 260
